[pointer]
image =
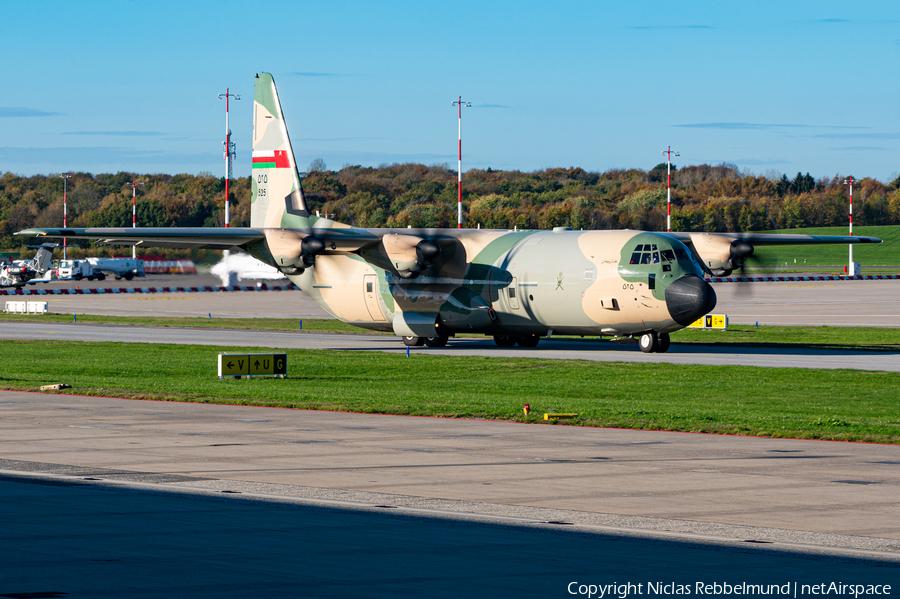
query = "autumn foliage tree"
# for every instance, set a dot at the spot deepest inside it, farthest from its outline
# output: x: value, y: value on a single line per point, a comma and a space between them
x: 704, y: 197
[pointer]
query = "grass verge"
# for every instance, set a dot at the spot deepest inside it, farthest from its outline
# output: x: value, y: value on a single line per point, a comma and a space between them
x: 844, y: 405
x: 833, y: 256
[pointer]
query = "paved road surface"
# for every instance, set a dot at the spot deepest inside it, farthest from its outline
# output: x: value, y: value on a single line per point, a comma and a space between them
x: 838, y: 303
x: 857, y: 303
x: 123, y: 498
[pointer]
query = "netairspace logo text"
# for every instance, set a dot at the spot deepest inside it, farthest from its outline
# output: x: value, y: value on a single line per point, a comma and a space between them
x: 789, y: 589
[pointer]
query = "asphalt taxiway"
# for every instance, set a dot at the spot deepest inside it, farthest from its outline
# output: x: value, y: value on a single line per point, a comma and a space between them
x: 136, y: 498
x: 835, y: 303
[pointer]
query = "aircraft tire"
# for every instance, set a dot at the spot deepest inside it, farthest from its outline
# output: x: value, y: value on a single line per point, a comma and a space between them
x: 413, y: 341
x: 528, y: 341
x: 101, y: 277
x: 664, y: 343
x: 504, y: 340
x: 129, y: 276
x: 648, y: 342
x: 439, y: 341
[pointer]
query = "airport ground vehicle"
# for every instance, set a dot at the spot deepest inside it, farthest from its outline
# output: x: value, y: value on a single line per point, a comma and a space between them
x: 98, y: 268
x: 121, y: 268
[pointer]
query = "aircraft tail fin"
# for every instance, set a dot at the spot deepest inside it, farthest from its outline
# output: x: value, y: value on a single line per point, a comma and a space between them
x: 277, y: 199
x: 42, y: 260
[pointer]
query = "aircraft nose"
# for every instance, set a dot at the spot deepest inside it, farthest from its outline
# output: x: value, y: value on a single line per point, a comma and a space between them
x: 689, y: 298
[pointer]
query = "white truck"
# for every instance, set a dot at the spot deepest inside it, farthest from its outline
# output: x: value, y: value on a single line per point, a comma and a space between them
x: 97, y: 268
x: 127, y: 268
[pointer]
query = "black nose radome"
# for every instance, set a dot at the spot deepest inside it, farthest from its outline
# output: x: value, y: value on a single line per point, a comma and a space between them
x: 689, y: 298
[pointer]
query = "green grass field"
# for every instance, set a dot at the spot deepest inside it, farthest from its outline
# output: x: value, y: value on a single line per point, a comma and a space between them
x: 836, y: 256
x: 799, y: 403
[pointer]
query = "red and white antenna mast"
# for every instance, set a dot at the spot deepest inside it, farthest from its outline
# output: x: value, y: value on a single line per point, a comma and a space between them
x: 134, y: 185
x: 65, y: 177
x: 230, y: 150
x: 668, y: 153
x: 851, y: 271
x: 460, y: 103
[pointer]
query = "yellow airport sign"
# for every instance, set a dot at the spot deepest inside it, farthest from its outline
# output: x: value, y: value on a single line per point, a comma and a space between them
x: 551, y: 416
x: 710, y: 321
x: 252, y: 365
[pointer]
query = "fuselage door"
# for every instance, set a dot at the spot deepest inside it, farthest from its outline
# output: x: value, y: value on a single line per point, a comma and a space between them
x: 512, y: 293
x: 370, y: 288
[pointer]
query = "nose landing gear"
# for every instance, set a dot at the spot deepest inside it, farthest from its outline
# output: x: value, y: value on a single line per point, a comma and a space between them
x: 653, y: 342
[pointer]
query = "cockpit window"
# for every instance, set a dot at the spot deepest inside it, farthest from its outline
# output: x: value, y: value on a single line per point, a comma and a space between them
x: 647, y: 253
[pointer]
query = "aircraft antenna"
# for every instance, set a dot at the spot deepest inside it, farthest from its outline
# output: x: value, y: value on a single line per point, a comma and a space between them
x: 668, y: 153
x: 65, y: 177
x: 230, y: 150
x: 460, y: 103
x: 134, y: 185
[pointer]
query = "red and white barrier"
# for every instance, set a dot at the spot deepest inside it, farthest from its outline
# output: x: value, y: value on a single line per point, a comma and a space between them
x: 801, y: 278
x: 166, y: 267
x: 114, y: 290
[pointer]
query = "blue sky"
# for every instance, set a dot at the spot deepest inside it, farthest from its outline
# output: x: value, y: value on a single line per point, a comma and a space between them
x: 787, y: 86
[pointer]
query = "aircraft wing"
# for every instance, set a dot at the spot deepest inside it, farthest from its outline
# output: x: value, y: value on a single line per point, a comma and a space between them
x: 221, y: 238
x: 206, y: 237
x: 775, y: 239
x: 720, y: 253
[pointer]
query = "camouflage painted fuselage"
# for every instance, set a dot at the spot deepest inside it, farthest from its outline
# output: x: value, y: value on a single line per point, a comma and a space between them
x: 498, y: 282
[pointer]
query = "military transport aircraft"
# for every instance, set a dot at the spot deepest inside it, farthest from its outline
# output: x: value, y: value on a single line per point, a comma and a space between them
x: 427, y: 285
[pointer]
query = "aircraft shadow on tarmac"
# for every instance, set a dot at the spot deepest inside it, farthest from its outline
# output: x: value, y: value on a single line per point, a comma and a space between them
x: 113, y: 540
x: 582, y: 346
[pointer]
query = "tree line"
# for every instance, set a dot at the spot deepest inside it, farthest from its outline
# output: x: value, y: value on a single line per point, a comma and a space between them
x: 704, y: 198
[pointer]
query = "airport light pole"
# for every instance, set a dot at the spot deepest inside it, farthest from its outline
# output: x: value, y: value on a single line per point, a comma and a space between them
x: 460, y: 103
x: 850, y: 181
x: 668, y: 153
x: 134, y: 185
x: 65, y: 177
x: 230, y: 151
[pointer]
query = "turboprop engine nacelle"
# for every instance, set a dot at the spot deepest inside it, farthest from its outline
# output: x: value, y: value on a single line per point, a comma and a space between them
x: 293, y: 252
x: 721, y: 255
x: 409, y: 254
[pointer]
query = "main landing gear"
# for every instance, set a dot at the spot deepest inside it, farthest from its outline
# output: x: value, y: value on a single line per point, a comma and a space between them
x: 437, y: 341
x: 654, y: 342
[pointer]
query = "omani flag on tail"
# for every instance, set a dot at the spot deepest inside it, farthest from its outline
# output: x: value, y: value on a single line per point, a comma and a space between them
x: 271, y: 159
